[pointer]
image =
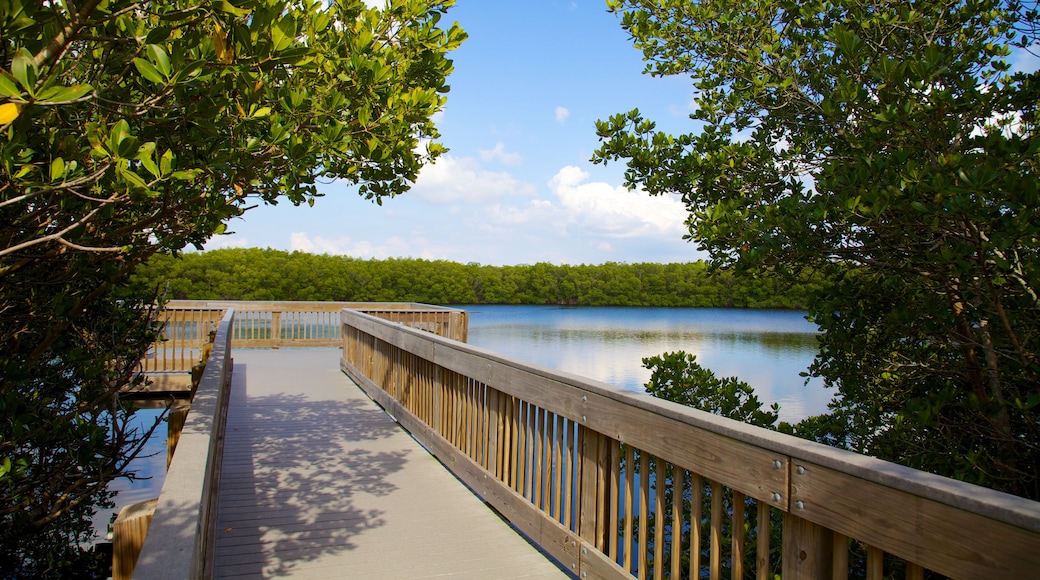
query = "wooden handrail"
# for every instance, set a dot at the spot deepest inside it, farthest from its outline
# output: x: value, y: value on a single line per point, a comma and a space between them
x: 575, y: 463
x: 273, y: 324
x: 179, y: 542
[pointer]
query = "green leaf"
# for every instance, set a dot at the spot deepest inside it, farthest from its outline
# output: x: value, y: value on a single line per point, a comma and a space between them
x: 131, y: 177
x: 59, y: 94
x: 145, y: 155
x: 187, y: 175
x: 166, y: 163
x: 24, y: 71
x: 117, y: 134
x: 282, y: 34
x: 157, y: 34
x: 57, y: 169
x: 262, y: 112
x: 8, y: 88
x: 149, y: 71
x: 157, y: 55
x: 229, y: 8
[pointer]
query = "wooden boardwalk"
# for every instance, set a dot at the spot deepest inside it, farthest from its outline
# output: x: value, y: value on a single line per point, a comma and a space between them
x: 318, y: 482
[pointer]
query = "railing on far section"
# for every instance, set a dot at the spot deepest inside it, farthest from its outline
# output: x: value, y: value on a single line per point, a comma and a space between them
x: 258, y: 324
x: 263, y: 324
x: 179, y: 540
x: 618, y: 484
x: 184, y: 332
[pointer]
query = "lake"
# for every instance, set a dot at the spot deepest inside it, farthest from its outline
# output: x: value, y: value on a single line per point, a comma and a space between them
x: 766, y: 348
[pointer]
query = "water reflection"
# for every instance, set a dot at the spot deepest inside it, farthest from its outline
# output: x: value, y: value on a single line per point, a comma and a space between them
x: 768, y: 349
x: 149, y: 468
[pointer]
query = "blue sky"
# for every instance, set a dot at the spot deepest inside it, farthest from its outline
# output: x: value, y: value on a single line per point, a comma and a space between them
x: 517, y: 186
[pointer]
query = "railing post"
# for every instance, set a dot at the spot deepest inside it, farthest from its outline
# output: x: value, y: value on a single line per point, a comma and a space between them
x: 276, y: 328
x: 808, y: 549
x: 594, y: 452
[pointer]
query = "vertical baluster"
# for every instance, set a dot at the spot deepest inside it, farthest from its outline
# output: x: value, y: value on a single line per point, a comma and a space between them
x: 840, y: 556
x: 480, y: 404
x: 630, y: 473
x: 525, y: 449
x: 762, y: 541
x: 659, y: 518
x: 495, y: 442
x: 715, y: 572
x: 538, y: 465
x: 568, y: 492
x: 875, y: 563
x: 696, y: 515
x: 737, y: 532
x: 644, y: 511
x: 466, y: 402
x: 602, y: 493
x: 615, y: 492
x: 678, y: 485
x: 558, y: 442
x: 513, y: 449
x: 914, y: 571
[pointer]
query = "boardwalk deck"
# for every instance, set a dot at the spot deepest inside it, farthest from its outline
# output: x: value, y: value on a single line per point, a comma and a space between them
x: 318, y: 482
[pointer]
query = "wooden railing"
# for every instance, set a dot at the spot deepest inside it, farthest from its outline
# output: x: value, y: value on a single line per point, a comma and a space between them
x: 179, y: 541
x: 260, y: 324
x: 184, y: 332
x: 614, y: 483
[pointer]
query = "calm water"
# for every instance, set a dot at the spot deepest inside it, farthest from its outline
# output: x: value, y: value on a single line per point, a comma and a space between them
x: 766, y: 348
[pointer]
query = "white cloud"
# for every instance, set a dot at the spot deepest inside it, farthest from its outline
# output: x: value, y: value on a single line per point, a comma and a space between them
x: 499, y: 153
x: 614, y: 211
x: 452, y: 180
x: 390, y: 248
x: 561, y: 114
x: 227, y: 241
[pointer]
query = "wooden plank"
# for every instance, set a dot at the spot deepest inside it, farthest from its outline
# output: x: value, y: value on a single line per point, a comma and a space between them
x: 807, y: 549
x: 659, y: 518
x: 678, y: 483
x: 696, y: 517
x: 762, y: 532
x: 737, y: 536
x: 642, y: 538
x: 715, y: 542
x: 615, y: 497
x: 916, y: 529
x: 128, y: 535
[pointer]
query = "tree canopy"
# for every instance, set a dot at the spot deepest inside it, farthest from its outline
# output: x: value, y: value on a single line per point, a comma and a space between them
x: 892, y: 148
x: 129, y: 128
x: 256, y: 274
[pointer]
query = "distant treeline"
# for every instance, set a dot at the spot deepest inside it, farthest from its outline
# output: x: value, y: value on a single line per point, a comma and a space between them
x: 255, y: 274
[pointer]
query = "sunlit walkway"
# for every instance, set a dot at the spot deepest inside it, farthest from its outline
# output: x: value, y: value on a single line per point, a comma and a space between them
x: 318, y: 482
